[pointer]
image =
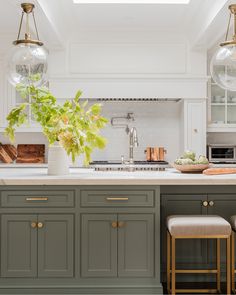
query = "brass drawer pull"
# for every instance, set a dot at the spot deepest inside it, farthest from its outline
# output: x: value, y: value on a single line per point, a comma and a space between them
x: 36, y: 199
x: 211, y: 203
x: 114, y: 224
x: 117, y: 199
x: 40, y: 224
x: 121, y: 224
x: 34, y: 224
x: 205, y: 203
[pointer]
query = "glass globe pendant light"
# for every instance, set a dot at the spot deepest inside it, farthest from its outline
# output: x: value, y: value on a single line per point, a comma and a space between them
x: 27, y: 60
x: 223, y: 63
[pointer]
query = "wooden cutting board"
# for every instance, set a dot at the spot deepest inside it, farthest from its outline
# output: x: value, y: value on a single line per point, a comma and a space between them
x: 30, y: 153
x: 4, y: 157
x: 218, y: 171
x: 11, y: 150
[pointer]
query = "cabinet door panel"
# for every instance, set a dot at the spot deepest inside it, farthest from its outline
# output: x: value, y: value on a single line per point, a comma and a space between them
x: 189, y: 253
x: 19, y: 246
x: 136, y: 245
x: 99, y: 245
x: 56, y: 246
x: 196, y: 127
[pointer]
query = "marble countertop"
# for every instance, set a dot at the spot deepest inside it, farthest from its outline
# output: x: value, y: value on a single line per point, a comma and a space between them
x: 86, y: 176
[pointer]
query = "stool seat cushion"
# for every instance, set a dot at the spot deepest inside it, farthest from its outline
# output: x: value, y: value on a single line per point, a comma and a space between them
x: 233, y: 222
x: 198, y: 225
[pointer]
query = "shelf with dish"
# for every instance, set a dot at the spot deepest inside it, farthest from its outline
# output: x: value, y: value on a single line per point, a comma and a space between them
x: 221, y: 109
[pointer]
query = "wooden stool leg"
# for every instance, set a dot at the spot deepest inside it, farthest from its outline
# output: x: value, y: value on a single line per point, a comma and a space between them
x: 218, y: 264
x: 233, y: 261
x: 168, y: 262
x: 173, y: 290
x: 228, y: 267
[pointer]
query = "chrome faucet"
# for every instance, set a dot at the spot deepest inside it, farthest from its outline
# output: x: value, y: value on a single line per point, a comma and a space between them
x: 133, y: 142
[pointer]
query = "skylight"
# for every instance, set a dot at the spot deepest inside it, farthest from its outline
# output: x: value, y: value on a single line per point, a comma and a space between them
x: 132, y: 1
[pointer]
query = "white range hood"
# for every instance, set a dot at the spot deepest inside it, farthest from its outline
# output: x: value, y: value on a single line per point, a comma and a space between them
x: 159, y: 88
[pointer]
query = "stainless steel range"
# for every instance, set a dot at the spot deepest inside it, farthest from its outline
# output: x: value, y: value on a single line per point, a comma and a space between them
x: 136, y: 166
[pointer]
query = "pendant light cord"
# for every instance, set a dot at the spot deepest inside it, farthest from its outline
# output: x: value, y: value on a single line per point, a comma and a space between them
x: 22, y: 15
x: 27, y: 35
x: 227, y: 33
x: 36, y: 29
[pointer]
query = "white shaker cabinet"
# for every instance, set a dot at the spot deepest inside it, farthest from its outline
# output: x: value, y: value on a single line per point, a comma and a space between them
x: 193, y: 126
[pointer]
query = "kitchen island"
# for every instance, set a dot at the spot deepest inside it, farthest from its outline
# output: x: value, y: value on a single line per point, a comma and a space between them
x: 101, y: 232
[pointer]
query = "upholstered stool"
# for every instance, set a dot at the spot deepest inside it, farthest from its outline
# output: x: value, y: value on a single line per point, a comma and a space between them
x: 196, y: 227
x: 233, y: 271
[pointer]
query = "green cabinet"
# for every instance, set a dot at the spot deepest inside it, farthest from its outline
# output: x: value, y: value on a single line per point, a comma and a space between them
x: 135, y: 245
x: 56, y: 246
x: 37, y: 245
x: 18, y: 246
x: 80, y: 240
x: 117, y: 245
x: 99, y: 245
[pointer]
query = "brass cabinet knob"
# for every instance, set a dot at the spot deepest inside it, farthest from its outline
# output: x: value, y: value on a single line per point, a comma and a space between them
x: 33, y: 224
x: 195, y: 130
x: 114, y: 224
x: 211, y: 203
x: 205, y: 203
x: 121, y: 224
x: 40, y: 224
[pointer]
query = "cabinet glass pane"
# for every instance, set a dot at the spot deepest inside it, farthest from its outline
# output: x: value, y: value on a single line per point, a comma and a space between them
x: 231, y: 114
x: 218, y: 114
x: 231, y: 97
x: 217, y: 94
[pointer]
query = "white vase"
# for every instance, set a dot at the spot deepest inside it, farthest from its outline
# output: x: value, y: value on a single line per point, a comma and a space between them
x: 58, y: 160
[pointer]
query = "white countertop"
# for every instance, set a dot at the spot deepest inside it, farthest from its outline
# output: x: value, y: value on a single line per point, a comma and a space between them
x: 77, y: 176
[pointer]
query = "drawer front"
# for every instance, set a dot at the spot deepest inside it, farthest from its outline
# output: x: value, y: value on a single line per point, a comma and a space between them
x: 37, y: 198
x: 122, y: 198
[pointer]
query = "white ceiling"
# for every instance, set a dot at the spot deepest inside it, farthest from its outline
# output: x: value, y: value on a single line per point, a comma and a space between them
x: 129, y: 16
x: 59, y: 20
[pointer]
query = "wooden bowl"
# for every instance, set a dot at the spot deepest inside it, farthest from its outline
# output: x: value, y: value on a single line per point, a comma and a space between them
x: 194, y: 168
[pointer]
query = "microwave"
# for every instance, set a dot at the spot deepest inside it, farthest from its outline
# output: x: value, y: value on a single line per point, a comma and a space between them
x: 221, y: 153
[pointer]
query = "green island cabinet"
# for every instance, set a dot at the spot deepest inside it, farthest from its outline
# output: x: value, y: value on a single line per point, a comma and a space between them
x: 101, y: 239
x: 80, y: 240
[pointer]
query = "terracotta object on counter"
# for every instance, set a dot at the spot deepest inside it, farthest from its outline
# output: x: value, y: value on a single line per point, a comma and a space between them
x: 162, y: 153
x: 30, y: 153
x: 155, y: 154
x: 148, y: 152
x: 218, y: 171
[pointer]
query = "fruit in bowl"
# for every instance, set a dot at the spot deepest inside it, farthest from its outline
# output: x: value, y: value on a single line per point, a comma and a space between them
x: 188, y: 163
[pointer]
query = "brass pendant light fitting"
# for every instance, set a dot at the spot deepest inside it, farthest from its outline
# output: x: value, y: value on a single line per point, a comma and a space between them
x: 27, y: 9
x: 232, y: 9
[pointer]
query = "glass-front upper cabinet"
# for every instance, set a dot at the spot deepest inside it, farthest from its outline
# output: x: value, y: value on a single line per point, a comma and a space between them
x: 222, y: 109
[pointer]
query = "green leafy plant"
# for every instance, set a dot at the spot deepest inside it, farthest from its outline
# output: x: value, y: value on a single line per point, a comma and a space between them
x: 74, y: 125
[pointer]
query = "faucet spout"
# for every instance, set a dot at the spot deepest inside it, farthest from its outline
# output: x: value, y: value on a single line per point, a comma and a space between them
x: 133, y: 142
